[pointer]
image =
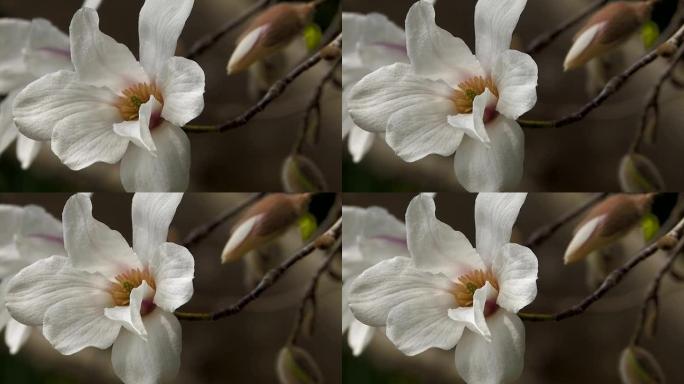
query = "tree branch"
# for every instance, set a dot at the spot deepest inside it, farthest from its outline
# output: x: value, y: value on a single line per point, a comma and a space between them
x: 268, y: 281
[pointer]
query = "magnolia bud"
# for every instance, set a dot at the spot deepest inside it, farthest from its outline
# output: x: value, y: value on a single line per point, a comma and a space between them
x: 638, y: 174
x: 606, y: 223
x: 638, y: 366
x: 296, y: 366
x: 270, y: 31
x: 263, y: 222
x: 299, y: 174
x: 606, y: 29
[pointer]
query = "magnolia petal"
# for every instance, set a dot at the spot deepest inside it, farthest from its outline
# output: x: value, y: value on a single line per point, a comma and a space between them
x: 39, y: 236
x: 237, y: 245
x: 498, y: 167
x: 129, y: 316
x: 379, y: 42
x: 79, y: 322
x: 148, y: 362
x: 515, y: 267
x: 422, y: 323
x: 473, y: 317
x: 495, y: 21
x: 375, y: 98
x: 244, y: 54
x: 515, y: 74
x: 580, y: 245
x: 173, y: 268
x: 389, y: 283
x: 473, y: 124
x: 169, y: 171
x: 436, y: 247
x: 8, y: 131
x: 47, y: 282
x: 379, y: 236
x: 94, y: 4
x: 495, y: 215
x: 159, y: 26
x: 16, y: 335
x: 47, y: 101
x: 47, y: 50
x: 182, y: 84
x: 14, y: 34
x: 497, y: 361
x: 360, y: 142
x: 88, y: 137
x: 579, y: 54
x: 138, y: 131
x: 151, y: 215
x: 435, y: 53
x: 91, y: 245
x: 360, y: 335
x: 98, y: 59
x: 27, y: 150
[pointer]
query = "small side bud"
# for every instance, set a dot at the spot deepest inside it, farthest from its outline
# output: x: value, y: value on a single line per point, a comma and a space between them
x: 638, y: 366
x: 299, y: 174
x: 294, y: 365
x: 325, y: 241
x: 609, y: 27
x: 607, y: 222
x: 638, y: 174
x: 270, y: 31
x: 263, y: 222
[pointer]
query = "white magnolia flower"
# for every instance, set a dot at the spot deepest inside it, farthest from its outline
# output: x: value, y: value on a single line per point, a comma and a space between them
x: 449, y: 100
x: 370, y: 42
x: 103, y: 292
x: 448, y: 293
x: 28, y: 234
x: 28, y: 50
x: 92, y: 114
x: 370, y: 236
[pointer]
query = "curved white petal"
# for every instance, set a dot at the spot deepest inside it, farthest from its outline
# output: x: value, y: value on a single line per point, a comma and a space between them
x: 435, y: 53
x: 36, y: 288
x: 473, y: 124
x: 389, y: 283
x: 138, y: 131
x: 14, y: 35
x: 169, y: 171
x: 360, y: 142
x: 8, y: 131
x: 435, y: 246
x: 360, y: 335
x: 95, y: 4
x: 579, y: 47
x: 498, y: 167
x: 375, y: 98
x: 151, y: 215
x: 182, y: 83
x: 495, y: 21
x: 495, y: 215
x: 173, y: 268
x: 515, y: 75
x: 237, y: 243
x: 85, y: 138
x: 47, y: 50
x: 422, y: 323
x: 16, y: 335
x: 98, y: 59
x: 129, y: 316
x: 39, y: 236
x: 54, y: 97
x: 371, y: 41
x: 27, y: 150
x: 580, y: 240
x: 136, y: 361
x: 159, y: 26
x: 515, y: 267
x: 241, y: 59
x: 473, y: 317
x: 497, y: 361
x: 91, y: 245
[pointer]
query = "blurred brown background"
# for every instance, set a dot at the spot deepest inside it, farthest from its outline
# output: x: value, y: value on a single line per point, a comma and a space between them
x: 236, y: 349
x: 245, y: 159
x: 582, y: 349
x: 580, y: 157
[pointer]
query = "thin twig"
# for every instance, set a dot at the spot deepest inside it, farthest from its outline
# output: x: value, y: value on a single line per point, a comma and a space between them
x: 547, y: 38
x: 200, y: 233
x: 542, y: 234
x: 613, y: 279
x: 614, y: 85
x: 273, y: 93
x: 211, y: 39
x: 268, y: 281
x: 653, y: 291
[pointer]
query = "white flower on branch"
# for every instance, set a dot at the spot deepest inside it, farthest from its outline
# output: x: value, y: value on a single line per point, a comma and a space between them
x: 448, y: 293
x: 111, y: 100
x: 104, y: 293
x: 28, y: 50
x: 370, y: 235
x: 370, y: 42
x: 448, y: 100
x: 28, y: 235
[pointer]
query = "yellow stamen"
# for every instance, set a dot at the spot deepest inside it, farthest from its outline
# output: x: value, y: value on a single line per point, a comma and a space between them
x: 126, y: 282
x: 469, y: 89
x: 471, y: 282
x: 134, y: 97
